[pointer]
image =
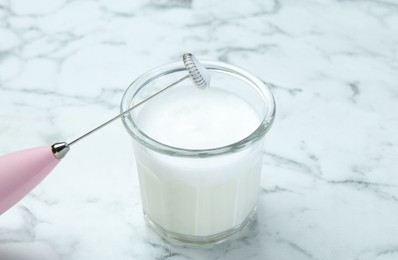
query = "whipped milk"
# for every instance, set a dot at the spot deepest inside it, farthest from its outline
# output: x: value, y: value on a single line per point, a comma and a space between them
x: 198, y: 196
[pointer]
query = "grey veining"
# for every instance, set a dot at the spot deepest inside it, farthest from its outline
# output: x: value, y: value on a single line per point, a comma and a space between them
x: 329, y: 188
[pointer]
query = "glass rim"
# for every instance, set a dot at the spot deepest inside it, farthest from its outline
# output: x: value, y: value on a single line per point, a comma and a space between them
x: 260, y: 86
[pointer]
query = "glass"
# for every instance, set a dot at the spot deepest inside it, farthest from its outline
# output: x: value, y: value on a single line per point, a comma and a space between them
x: 199, y: 197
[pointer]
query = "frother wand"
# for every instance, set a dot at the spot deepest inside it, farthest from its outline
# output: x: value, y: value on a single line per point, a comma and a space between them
x: 21, y: 171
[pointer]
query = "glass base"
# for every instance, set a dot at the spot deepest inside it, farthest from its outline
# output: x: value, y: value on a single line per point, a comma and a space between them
x: 199, y: 241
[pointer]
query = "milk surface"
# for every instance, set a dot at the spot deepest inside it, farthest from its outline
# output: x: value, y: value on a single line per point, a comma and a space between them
x: 198, y: 196
x: 197, y: 119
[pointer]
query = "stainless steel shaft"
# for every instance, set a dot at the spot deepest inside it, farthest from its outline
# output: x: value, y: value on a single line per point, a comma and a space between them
x: 126, y: 112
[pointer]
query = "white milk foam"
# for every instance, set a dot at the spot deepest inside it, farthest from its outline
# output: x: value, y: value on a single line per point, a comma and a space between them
x: 197, y: 119
x: 198, y: 197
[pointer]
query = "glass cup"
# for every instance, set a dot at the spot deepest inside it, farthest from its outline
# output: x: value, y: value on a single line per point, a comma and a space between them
x: 199, y: 197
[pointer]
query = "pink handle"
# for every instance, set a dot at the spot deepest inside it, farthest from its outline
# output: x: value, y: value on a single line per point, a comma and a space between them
x: 21, y: 171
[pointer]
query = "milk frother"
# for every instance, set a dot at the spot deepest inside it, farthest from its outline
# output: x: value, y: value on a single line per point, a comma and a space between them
x: 21, y: 171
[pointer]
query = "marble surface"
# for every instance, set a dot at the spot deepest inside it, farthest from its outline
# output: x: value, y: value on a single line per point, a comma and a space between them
x: 329, y: 187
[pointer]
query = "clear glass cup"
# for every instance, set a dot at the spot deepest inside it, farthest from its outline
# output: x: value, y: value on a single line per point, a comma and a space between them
x: 199, y: 197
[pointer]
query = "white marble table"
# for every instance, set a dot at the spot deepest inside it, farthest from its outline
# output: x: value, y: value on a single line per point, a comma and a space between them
x: 330, y: 179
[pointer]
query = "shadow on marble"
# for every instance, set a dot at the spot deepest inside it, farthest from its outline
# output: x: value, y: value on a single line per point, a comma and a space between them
x: 27, y: 251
